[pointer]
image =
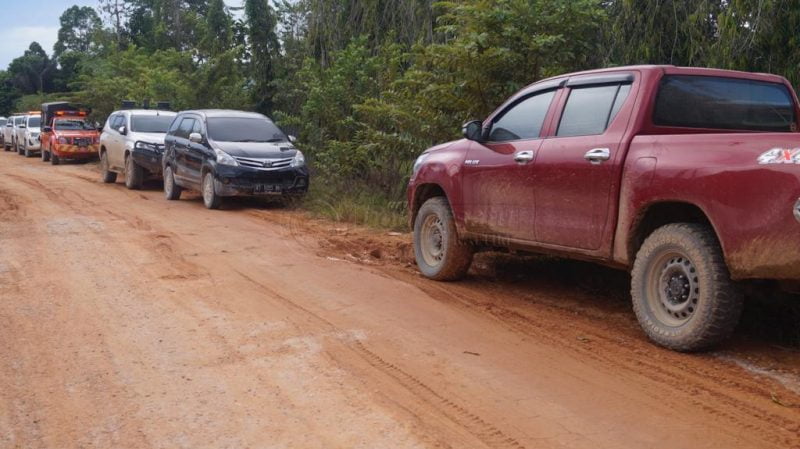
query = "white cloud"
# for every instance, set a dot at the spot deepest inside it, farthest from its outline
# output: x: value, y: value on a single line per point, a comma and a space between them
x: 15, y: 40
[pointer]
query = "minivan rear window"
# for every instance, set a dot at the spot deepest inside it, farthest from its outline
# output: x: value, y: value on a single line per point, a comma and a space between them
x: 690, y: 101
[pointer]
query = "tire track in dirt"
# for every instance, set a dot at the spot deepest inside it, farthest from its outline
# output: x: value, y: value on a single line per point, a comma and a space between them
x: 672, y: 371
x: 484, y: 431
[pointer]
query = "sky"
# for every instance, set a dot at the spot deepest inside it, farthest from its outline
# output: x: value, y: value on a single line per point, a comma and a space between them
x: 26, y: 21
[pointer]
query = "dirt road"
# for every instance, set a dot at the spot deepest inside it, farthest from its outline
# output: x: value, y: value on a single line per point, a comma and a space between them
x: 130, y: 321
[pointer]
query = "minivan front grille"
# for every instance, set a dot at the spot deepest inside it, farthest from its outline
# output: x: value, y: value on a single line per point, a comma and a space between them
x: 264, y: 164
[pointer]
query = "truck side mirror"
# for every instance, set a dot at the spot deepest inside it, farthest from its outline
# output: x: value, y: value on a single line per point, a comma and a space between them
x: 195, y: 137
x: 292, y: 138
x: 122, y: 130
x: 21, y: 126
x: 473, y: 130
x: 47, y: 129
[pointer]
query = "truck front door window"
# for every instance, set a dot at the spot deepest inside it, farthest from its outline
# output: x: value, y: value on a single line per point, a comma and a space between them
x: 523, y: 120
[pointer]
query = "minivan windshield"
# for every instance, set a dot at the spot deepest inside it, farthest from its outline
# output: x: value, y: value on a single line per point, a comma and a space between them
x: 151, y: 123
x: 240, y: 129
x: 34, y: 122
x: 72, y: 124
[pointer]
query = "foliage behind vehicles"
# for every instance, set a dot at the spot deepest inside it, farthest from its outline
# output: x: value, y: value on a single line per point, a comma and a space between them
x: 689, y: 177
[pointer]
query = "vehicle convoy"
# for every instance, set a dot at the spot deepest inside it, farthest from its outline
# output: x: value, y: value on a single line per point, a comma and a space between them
x: 68, y: 133
x: 132, y: 143
x: 688, y: 177
x: 27, y: 134
x: 8, y: 133
x: 231, y: 153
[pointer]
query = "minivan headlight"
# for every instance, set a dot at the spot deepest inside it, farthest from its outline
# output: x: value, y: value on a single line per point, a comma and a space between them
x: 299, y: 159
x: 224, y: 158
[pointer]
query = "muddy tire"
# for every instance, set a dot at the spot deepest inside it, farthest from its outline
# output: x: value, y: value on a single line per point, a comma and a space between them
x: 682, y: 291
x: 18, y: 148
x: 440, y: 254
x: 172, y: 191
x: 26, y: 151
x: 210, y: 198
x: 134, y: 174
x: 106, y: 175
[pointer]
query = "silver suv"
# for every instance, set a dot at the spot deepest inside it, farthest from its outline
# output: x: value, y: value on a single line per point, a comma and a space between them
x: 8, y: 133
x: 132, y: 143
x: 27, y: 135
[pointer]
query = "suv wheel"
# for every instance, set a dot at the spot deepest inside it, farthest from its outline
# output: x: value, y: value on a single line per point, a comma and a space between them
x: 106, y: 175
x: 210, y: 197
x: 172, y: 191
x: 18, y: 148
x: 134, y: 174
x: 439, y: 253
x: 683, y: 295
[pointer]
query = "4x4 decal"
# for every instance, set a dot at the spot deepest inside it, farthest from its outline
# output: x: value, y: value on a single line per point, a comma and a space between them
x: 780, y: 156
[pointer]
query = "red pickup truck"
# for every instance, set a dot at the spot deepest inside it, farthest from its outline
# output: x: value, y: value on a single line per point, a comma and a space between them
x: 687, y: 177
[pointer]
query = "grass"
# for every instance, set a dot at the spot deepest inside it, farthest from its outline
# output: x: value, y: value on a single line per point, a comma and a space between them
x: 357, y: 205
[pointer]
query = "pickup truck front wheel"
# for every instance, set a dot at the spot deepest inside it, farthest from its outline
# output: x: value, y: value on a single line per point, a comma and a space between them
x: 682, y: 292
x: 440, y: 255
x: 134, y: 174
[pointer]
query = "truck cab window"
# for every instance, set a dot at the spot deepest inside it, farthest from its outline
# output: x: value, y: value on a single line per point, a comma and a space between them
x: 522, y: 120
x: 589, y: 110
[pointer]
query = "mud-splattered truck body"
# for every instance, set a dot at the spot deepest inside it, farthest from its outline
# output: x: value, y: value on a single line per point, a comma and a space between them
x: 595, y: 164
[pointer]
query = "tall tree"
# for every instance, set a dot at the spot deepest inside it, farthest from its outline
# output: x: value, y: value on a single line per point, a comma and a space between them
x: 118, y: 13
x: 264, y: 50
x: 33, y: 71
x: 218, y: 32
x: 78, y: 26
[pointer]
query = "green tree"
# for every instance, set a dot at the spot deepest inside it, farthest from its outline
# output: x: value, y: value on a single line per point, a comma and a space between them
x: 78, y: 27
x: 263, y: 51
x: 217, y: 34
x: 33, y: 71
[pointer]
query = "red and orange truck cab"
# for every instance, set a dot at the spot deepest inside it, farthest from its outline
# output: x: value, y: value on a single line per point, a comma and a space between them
x: 68, y: 133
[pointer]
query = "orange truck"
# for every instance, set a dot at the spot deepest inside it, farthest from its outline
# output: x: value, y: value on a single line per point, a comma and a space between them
x: 67, y: 133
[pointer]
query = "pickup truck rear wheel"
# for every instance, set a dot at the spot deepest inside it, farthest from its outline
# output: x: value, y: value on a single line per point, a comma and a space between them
x: 106, y: 175
x: 440, y: 255
x: 134, y: 174
x: 683, y: 295
x: 172, y: 191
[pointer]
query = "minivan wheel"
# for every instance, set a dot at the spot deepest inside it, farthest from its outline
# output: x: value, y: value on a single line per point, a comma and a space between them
x: 440, y: 255
x: 106, y: 175
x: 134, y: 174
x: 682, y: 292
x: 210, y: 197
x: 172, y: 191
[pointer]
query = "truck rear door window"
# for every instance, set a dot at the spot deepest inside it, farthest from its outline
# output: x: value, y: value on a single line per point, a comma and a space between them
x: 688, y: 101
x: 589, y: 110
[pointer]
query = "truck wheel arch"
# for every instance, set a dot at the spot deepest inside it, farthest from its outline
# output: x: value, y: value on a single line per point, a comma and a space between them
x: 423, y: 193
x: 656, y: 215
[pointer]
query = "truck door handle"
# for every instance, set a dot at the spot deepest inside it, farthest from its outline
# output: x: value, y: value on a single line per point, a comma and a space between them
x: 598, y: 155
x: 524, y: 157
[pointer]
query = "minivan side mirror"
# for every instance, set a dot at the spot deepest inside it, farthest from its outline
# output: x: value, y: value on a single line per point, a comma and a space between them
x: 122, y: 130
x: 47, y: 129
x: 195, y: 137
x: 473, y: 130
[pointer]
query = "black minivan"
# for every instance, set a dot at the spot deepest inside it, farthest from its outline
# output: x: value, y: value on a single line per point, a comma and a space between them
x: 231, y: 153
